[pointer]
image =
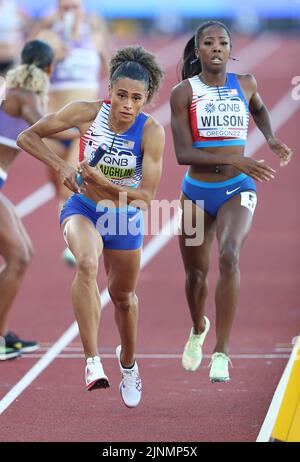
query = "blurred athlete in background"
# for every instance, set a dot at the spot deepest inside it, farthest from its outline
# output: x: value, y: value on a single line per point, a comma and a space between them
x: 25, y: 103
x: 80, y: 43
x: 14, y: 25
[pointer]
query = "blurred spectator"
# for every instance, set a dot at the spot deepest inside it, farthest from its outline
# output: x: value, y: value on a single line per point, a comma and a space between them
x: 169, y: 22
x: 247, y: 21
x: 13, y: 25
x: 80, y: 42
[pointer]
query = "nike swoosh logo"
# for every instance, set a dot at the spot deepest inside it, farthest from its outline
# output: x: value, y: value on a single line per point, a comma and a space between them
x: 230, y: 192
x: 96, y: 134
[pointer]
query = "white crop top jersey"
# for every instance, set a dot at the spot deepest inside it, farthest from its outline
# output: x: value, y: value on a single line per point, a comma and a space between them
x: 122, y: 162
x: 219, y: 116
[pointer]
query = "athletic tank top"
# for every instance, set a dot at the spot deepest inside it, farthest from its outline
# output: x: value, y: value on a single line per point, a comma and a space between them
x: 81, y: 68
x: 219, y: 116
x: 10, y: 128
x: 122, y: 164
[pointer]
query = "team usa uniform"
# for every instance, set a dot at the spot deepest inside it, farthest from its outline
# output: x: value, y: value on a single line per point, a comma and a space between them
x: 120, y: 228
x: 219, y: 116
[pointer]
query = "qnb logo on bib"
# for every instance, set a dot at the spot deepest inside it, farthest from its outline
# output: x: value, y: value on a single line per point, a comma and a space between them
x: 222, y: 118
x: 118, y: 164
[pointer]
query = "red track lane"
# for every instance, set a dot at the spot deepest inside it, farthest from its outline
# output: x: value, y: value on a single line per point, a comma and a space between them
x: 176, y: 406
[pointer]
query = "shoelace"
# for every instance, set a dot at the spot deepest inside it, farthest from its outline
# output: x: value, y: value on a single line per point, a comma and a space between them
x: 132, y: 379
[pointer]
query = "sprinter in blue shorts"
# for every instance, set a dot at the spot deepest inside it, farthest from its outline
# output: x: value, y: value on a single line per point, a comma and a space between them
x: 94, y: 220
x: 210, y: 116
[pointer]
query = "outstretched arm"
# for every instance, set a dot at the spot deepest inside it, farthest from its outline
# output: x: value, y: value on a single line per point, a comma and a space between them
x: 262, y: 120
x: 32, y: 114
x: 31, y: 140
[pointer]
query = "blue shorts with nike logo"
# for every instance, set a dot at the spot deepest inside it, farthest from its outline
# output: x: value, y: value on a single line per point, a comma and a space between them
x: 120, y: 228
x: 215, y: 194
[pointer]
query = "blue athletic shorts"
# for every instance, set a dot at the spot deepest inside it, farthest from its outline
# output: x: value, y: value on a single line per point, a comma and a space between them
x: 3, y: 176
x: 120, y: 228
x: 216, y: 194
x: 66, y: 143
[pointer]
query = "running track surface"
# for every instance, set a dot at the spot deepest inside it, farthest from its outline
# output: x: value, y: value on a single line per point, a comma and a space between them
x: 176, y: 405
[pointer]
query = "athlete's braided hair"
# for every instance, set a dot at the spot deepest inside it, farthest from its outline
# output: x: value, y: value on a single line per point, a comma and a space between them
x: 31, y: 75
x: 137, y: 63
x: 191, y: 65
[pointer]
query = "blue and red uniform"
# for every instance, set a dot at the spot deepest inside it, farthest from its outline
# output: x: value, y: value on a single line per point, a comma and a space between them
x: 219, y: 116
x: 120, y: 228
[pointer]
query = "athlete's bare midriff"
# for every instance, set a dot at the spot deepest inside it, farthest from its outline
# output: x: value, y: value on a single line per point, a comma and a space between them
x: 213, y: 173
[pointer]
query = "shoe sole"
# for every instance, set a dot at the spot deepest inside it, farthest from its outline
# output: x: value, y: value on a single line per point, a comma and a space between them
x: 100, y: 383
x: 10, y: 356
x: 191, y: 369
x: 30, y: 349
x: 219, y: 380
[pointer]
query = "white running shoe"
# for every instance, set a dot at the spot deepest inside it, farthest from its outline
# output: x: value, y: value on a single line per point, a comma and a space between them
x: 192, y: 354
x: 94, y: 374
x: 219, y: 368
x: 131, y: 384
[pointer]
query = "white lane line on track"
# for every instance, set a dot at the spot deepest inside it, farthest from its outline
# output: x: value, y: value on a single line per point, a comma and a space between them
x: 35, y: 200
x: 281, y: 112
x: 255, y: 53
x: 149, y: 252
x: 270, y: 419
x: 158, y: 356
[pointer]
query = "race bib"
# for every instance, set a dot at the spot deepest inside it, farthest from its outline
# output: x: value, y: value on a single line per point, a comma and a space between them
x: 222, y: 118
x: 249, y: 200
x: 116, y: 163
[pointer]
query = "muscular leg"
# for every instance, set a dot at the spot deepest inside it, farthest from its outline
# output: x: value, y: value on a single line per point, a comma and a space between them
x: 86, y: 244
x: 196, y: 264
x: 233, y: 225
x: 122, y: 268
x: 16, y: 249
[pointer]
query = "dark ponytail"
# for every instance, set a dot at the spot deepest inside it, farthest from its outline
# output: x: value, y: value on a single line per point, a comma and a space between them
x: 191, y: 65
x: 38, y: 53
